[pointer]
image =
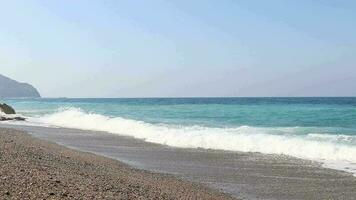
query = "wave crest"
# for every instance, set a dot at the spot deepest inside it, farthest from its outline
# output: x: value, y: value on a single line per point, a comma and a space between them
x: 244, y: 138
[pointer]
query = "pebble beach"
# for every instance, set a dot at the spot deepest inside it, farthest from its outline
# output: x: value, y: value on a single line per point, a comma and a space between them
x: 32, y: 168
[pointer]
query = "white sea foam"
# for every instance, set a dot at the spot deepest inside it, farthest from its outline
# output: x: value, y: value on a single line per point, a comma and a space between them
x: 349, y: 139
x: 2, y: 114
x: 244, y: 138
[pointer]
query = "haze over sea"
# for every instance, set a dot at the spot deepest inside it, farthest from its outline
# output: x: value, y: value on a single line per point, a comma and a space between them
x: 320, y: 129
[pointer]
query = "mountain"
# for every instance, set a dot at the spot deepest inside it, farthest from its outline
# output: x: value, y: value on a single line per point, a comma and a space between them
x: 12, y: 89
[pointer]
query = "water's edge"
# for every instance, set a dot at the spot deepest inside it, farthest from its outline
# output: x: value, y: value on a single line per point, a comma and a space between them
x: 232, y: 172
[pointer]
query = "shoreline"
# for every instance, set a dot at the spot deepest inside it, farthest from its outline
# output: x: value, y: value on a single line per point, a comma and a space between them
x: 33, y: 168
x: 242, y: 175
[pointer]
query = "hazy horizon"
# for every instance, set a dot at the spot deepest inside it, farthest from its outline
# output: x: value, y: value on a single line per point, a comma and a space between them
x: 116, y: 49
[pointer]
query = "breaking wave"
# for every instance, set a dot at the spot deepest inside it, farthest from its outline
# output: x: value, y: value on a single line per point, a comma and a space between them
x: 287, y: 141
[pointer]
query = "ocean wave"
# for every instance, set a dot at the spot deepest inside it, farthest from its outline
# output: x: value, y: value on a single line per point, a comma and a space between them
x: 2, y: 114
x: 245, y: 138
x: 338, y: 138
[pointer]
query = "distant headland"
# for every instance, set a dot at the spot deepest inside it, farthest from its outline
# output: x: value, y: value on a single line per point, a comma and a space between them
x: 13, y: 89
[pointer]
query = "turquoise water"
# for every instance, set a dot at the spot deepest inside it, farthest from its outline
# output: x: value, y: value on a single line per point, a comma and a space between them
x: 219, y: 112
x: 322, y: 129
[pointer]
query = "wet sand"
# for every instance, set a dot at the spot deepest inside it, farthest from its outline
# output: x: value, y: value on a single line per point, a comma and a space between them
x: 31, y: 168
x: 244, y: 175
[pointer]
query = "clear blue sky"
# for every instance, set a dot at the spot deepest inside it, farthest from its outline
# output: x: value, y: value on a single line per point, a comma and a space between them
x: 180, y: 47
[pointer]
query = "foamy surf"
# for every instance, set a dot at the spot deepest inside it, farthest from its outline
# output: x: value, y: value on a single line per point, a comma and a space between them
x: 313, y: 146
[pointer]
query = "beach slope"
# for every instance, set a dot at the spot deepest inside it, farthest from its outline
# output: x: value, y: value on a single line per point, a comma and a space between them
x: 31, y: 168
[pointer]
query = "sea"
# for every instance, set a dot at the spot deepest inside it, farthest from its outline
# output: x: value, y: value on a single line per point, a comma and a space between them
x: 318, y: 129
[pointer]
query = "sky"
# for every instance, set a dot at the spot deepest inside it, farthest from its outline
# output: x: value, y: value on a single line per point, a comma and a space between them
x: 180, y: 48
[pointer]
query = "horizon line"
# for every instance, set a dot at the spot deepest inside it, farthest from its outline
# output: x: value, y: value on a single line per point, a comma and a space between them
x: 182, y: 97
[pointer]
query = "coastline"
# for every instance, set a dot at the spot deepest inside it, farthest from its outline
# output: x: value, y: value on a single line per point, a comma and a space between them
x: 32, y: 168
x: 242, y: 175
